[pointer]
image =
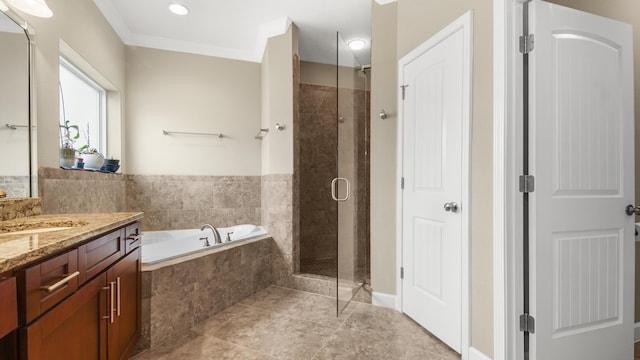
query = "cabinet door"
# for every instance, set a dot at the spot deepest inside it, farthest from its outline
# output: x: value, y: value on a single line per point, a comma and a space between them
x: 73, y: 330
x: 126, y: 278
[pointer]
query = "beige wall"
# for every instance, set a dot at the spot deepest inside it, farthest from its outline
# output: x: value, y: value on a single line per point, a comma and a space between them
x: 80, y: 25
x: 325, y: 74
x: 384, y: 82
x: 191, y: 93
x: 417, y: 21
x: 277, y: 102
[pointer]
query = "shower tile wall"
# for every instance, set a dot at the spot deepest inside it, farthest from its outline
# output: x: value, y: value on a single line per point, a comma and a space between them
x: 168, y: 201
x: 318, y: 163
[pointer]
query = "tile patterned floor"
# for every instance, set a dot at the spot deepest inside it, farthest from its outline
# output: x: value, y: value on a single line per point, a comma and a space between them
x: 279, y: 323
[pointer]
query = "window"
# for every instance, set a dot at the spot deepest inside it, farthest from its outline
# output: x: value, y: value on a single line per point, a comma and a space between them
x: 83, y: 103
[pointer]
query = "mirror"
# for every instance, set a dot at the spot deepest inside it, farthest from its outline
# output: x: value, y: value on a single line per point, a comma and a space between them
x: 15, y: 122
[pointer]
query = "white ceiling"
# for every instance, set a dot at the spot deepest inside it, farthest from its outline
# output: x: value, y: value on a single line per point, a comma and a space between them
x: 238, y: 29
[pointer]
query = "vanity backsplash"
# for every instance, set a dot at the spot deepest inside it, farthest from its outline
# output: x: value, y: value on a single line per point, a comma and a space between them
x: 18, y: 208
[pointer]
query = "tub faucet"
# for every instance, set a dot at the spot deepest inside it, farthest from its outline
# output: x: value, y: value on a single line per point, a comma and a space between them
x: 216, y: 234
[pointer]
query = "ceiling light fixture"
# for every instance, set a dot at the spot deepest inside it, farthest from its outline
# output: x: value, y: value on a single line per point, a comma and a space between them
x: 178, y: 9
x: 357, y: 44
x: 32, y: 7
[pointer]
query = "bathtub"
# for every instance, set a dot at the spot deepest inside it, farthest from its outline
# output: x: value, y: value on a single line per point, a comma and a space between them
x: 158, y: 246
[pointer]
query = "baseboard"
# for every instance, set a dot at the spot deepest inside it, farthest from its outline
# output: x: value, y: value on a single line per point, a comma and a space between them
x: 475, y: 354
x: 384, y: 300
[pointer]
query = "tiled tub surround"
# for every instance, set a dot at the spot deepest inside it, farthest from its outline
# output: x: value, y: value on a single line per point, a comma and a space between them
x: 186, y: 202
x: 168, y: 201
x: 180, y: 293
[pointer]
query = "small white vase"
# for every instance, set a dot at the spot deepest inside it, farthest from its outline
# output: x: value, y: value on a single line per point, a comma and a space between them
x: 93, y: 161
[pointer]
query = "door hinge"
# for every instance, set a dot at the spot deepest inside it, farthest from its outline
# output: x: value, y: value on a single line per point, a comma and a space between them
x: 526, y: 43
x: 402, y: 273
x: 527, y: 323
x: 402, y: 183
x: 403, y: 87
x: 527, y: 183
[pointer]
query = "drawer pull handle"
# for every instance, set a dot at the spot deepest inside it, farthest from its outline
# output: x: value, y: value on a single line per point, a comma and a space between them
x: 134, y: 238
x: 108, y: 288
x: 60, y: 283
x: 118, y: 298
x: 112, y: 293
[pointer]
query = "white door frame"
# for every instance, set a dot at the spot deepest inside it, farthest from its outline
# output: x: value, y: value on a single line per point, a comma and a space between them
x: 464, y: 22
x: 507, y: 159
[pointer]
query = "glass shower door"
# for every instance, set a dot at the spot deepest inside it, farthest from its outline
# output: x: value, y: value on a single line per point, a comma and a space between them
x: 347, y: 187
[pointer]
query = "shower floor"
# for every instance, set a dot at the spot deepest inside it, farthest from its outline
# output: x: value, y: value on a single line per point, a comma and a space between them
x: 324, y: 267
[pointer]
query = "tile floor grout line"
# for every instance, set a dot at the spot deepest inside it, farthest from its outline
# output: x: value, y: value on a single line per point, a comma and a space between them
x: 241, y: 346
x: 325, y: 343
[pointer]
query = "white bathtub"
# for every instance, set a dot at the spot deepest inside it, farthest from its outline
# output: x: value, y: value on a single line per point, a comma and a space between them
x: 158, y: 246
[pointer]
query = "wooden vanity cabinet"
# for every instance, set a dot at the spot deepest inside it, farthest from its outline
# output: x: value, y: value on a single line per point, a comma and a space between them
x: 8, y: 306
x: 75, y: 329
x: 124, y: 330
x: 102, y: 318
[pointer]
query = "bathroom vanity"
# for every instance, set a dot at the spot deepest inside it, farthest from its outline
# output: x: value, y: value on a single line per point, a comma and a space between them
x: 73, y: 292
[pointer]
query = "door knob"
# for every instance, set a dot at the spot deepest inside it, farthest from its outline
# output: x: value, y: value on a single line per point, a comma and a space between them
x: 631, y: 210
x: 451, y: 206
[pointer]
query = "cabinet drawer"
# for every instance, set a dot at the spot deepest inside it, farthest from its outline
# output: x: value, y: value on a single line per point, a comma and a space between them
x: 99, y: 254
x: 44, y: 285
x: 75, y: 329
x: 8, y: 306
x: 133, y: 237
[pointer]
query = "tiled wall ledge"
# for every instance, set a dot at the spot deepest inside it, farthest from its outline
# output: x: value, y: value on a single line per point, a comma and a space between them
x: 79, y: 192
x: 18, y: 208
x: 213, y: 282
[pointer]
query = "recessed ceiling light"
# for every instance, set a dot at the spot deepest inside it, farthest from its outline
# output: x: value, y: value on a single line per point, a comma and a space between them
x: 178, y: 9
x: 357, y: 44
x: 32, y: 7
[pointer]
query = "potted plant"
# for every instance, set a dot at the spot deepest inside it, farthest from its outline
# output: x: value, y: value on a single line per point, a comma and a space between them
x: 93, y: 159
x: 67, y: 140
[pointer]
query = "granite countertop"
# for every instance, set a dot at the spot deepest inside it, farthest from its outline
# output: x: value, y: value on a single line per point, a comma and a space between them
x: 17, y: 250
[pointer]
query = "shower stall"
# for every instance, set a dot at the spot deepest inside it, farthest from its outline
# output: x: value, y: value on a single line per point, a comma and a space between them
x: 333, y: 168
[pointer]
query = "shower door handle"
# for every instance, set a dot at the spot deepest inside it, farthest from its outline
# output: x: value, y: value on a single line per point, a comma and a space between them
x: 334, y: 189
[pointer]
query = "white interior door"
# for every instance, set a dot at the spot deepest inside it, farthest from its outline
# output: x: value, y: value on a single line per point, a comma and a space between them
x: 436, y: 100
x: 582, y: 242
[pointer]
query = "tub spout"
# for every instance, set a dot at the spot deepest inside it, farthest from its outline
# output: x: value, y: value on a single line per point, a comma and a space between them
x: 216, y: 234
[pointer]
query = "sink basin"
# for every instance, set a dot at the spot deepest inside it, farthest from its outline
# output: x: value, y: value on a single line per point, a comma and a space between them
x: 39, y: 227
